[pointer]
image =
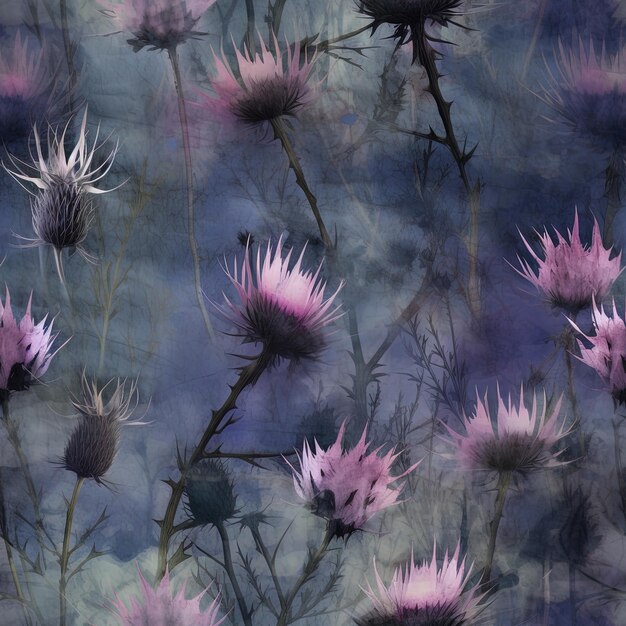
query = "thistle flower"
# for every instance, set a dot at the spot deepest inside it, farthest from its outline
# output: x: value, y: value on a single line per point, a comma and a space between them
x: 26, y: 88
x: 518, y: 440
x: 57, y: 168
x: 424, y: 594
x: 210, y: 495
x: 25, y: 349
x: 588, y: 90
x: 283, y: 309
x: 409, y: 17
x: 157, y: 24
x: 264, y: 86
x: 92, y: 447
x: 160, y: 607
x: 571, y: 274
x: 346, y: 488
x: 607, y: 354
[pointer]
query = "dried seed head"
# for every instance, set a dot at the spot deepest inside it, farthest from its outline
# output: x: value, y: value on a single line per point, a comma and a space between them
x: 210, y: 494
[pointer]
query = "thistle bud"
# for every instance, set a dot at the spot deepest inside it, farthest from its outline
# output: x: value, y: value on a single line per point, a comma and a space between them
x: 210, y: 495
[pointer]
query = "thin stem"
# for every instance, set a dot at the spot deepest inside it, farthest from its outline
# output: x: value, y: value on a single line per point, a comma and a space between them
x: 323, y: 46
x: 14, y: 440
x: 428, y: 59
x: 612, y: 190
x: 16, y: 580
x: 621, y: 481
x: 568, y: 346
x: 65, y: 552
x: 503, y: 484
x: 230, y: 570
x: 535, y: 38
x: 269, y: 560
x: 572, y: 592
x: 309, y: 569
x: 276, y: 15
x: 251, y: 26
x: 193, y: 245
x: 247, y: 376
x: 281, y: 134
x: 69, y: 54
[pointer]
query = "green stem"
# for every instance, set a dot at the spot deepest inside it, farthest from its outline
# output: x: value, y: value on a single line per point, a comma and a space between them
x: 247, y: 376
x: 309, y: 569
x: 230, y: 570
x: 503, y: 484
x: 65, y: 552
x: 193, y: 245
x: 281, y: 134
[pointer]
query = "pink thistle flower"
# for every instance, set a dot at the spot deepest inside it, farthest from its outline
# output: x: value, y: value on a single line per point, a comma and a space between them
x: 569, y: 273
x: 588, y: 90
x: 607, y: 354
x: 520, y: 439
x: 157, y: 24
x: 283, y: 309
x: 346, y: 488
x: 25, y: 349
x: 264, y: 87
x: 424, y: 594
x: 26, y: 88
x: 160, y: 607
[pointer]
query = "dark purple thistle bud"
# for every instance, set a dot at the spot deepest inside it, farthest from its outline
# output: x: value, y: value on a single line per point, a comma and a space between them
x: 93, y: 444
x: 409, y: 18
x: 62, y: 215
x: 156, y: 24
x: 210, y: 494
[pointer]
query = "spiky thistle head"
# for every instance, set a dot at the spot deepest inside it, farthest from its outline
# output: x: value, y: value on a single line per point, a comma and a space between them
x: 409, y: 18
x: 284, y: 309
x: 607, y: 354
x: 587, y: 90
x: 346, y: 487
x: 424, y: 594
x: 264, y: 86
x: 92, y: 446
x: 156, y: 24
x: 161, y: 607
x: 26, y: 86
x: 517, y: 439
x: 571, y: 274
x: 25, y: 348
x: 210, y: 493
x: 57, y: 167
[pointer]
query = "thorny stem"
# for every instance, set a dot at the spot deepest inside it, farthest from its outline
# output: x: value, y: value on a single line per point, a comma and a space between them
x: 65, y: 551
x: 14, y: 576
x: 276, y: 15
x: 69, y: 55
x: 269, y: 560
x: 612, y: 190
x: 323, y: 46
x: 281, y: 134
x: 621, y: 482
x: 251, y: 26
x: 230, y: 570
x: 14, y: 440
x: 247, y: 376
x: 309, y: 569
x: 428, y: 58
x: 193, y: 245
x: 504, y: 479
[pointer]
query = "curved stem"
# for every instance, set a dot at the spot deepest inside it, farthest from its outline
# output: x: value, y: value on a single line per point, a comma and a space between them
x: 309, y: 569
x: 323, y: 46
x: 65, y: 551
x: 428, y: 59
x: 247, y: 376
x: 503, y: 484
x: 193, y: 245
x: 230, y: 570
x: 269, y: 560
x: 281, y: 134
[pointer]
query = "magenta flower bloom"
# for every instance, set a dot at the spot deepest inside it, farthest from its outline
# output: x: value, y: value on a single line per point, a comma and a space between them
x: 519, y: 439
x: 25, y: 349
x: 264, y: 87
x: 570, y: 274
x: 26, y: 88
x: 157, y: 24
x: 588, y: 90
x: 424, y: 594
x: 607, y: 354
x: 160, y: 607
x: 283, y: 309
x: 348, y: 487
